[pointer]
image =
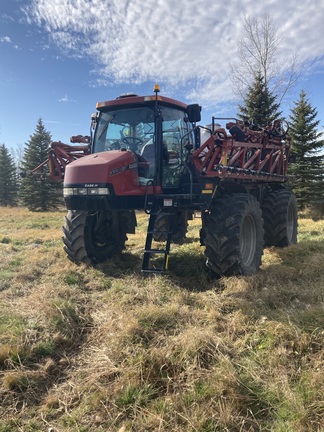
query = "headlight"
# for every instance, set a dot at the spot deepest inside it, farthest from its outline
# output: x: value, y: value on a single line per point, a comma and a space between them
x: 93, y: 191
x: 67, y: 191
x: 103, y: 191
x: 80, y: 191
x: 83, y: 191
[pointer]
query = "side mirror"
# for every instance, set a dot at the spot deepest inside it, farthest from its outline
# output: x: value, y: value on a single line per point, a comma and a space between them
x: 194, y: 113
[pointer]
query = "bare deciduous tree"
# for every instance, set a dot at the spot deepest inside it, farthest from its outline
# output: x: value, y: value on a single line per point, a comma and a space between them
x: 259, y: 53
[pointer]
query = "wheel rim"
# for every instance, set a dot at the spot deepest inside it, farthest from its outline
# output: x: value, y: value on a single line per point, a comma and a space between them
x: 100, y: 241
x: 247, y: 240
x: 100, y: 236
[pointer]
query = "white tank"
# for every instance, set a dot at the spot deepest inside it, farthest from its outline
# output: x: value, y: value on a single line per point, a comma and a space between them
x: 205, y: 134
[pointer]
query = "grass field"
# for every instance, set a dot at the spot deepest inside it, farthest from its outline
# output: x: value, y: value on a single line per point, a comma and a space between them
x: 106, y: 349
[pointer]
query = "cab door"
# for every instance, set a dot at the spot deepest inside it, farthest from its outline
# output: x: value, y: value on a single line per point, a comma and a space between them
x: 177, y: 139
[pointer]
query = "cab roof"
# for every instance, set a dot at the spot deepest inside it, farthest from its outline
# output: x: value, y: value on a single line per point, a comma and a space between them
x: 127, y: 99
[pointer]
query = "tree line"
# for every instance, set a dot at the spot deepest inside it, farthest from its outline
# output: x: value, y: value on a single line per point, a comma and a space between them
x: 18, y: 186
x: 262, y: 79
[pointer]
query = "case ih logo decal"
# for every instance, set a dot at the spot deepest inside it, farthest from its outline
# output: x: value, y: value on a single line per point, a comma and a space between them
x: 122, y: 169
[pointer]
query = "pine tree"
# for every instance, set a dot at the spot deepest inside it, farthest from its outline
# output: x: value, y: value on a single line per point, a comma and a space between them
x: 8, y: 178
x: 306, y: 169
x: 259, y: 104
x: 38, y: 192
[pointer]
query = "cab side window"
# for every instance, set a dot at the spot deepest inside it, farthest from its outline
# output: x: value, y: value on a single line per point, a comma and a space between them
x: 176, y: 136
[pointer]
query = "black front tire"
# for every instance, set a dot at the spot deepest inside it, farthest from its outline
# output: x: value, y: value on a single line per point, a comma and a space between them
x: 233, y: 235
x: 92, y: 237
x: 279, y: 211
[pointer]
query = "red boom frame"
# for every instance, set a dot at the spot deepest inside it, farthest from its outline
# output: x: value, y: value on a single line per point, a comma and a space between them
x: 260, y: 156
x: 60, y: 155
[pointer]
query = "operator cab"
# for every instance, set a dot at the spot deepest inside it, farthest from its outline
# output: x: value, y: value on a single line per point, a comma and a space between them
x: 158, y: 130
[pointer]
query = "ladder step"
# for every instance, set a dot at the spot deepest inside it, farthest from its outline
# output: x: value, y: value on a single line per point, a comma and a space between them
x: 147, y: 268
x: 149, y: 252
x: 152, y: 270
x: 153, y: 251
x: 157, y: 232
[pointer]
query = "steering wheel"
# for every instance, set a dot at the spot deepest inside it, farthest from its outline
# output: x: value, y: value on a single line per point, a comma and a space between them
x: 132, y: 142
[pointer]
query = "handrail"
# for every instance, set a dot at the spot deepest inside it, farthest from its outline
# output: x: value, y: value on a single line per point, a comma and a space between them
x: 148, y: 184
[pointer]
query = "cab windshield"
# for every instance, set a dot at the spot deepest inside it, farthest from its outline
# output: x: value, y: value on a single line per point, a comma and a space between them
x: 134, y: 129
x: 128, y: 128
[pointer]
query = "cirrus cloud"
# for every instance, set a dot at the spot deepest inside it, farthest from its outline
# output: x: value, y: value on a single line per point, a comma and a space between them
x: 183, y: 44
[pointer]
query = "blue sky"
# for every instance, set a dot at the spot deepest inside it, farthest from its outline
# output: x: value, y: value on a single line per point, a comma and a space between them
x: 58, y: 58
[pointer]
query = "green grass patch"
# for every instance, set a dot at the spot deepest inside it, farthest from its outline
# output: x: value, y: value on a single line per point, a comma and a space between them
x: 135, y: 396
x: 12, y: 326
x: 73, y: 278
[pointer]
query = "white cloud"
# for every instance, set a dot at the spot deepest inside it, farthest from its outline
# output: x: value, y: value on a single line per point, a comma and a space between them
x: 176, y: 43
x: 5, y: 39
x: 65, y: 98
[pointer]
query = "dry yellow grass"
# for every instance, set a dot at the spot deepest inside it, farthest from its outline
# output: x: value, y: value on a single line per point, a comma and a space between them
x: 106, y: 349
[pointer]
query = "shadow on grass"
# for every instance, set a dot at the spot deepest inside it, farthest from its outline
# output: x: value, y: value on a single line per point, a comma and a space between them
x: 186, y: 269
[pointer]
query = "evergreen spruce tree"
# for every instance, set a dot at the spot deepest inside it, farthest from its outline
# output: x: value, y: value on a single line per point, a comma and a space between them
x: 259, y: 104
x: 8, y: 178
x: 306, y: 169
x: 38, y: 192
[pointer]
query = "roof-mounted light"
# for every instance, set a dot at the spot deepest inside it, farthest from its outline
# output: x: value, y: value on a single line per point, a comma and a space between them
x: 156, y: 88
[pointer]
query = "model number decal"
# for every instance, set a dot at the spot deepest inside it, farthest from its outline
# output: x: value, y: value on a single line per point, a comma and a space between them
x: 116, y: 171
x: 123, y: 168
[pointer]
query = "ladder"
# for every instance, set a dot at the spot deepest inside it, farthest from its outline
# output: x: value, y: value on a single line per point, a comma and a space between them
x: 149, y: 252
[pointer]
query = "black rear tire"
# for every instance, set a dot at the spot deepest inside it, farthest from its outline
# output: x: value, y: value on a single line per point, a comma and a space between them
x: 92, y: 237
x: 233, y: 235
x: 179, y: 226
x: 279, y: 211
